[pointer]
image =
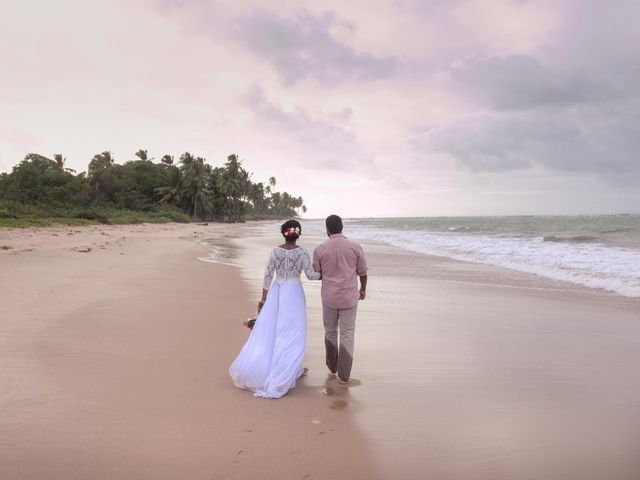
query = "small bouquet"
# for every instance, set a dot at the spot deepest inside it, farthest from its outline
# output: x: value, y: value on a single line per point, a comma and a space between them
x: 250, y: 322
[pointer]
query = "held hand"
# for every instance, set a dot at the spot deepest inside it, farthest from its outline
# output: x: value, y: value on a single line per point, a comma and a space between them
x: 363, y: 294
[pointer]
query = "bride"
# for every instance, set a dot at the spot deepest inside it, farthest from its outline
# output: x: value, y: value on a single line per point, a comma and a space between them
x: 271, y: 360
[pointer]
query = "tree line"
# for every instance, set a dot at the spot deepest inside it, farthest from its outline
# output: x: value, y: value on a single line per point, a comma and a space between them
x: 191, y: 186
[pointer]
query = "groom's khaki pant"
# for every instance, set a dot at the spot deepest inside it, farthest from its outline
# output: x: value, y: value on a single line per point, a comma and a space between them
x: 339, y: 356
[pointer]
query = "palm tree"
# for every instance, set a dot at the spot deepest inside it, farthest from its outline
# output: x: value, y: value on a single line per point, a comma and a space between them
x: 197, y: 195
x: 99, y: 176
x: 234, y: 183
x: 269, y: 191
x: 173, y: 192
x: 276, y: 203
x: 257, y: 198
x: 186, y: 159
x: 60, y: 161
x: 100, y: 161
x: 167, y: 160
x: 143, y: 155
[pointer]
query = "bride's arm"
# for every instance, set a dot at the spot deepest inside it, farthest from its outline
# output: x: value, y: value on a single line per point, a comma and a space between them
x: 268, y: 275
x: 307, y: 266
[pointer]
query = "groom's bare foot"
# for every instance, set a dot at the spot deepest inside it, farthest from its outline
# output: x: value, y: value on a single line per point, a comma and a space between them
x: 344, y: 382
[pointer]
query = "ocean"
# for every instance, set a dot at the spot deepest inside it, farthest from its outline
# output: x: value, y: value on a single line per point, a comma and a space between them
x: 597, y: 251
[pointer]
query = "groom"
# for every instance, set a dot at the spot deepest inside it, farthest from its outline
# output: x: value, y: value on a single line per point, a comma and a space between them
x: 340, y: 261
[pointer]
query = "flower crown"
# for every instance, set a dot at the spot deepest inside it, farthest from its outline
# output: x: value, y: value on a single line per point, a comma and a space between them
x: 292, y: 232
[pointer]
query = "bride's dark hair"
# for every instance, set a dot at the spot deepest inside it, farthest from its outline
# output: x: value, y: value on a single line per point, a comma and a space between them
x: 291, y: 229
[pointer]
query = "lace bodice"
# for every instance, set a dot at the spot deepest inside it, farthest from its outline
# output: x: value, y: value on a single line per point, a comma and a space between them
x: 288, y: 265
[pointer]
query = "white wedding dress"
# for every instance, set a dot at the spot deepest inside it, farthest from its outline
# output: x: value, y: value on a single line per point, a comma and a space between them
x: 271, y: 360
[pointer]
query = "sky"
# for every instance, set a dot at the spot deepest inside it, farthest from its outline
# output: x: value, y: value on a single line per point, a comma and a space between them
x: 364, y: 108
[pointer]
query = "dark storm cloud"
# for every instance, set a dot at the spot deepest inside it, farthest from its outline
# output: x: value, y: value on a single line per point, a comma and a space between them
x: 578, y: 140
x: 303, y: 46
x: 575, y: 106
x: 521, y: 82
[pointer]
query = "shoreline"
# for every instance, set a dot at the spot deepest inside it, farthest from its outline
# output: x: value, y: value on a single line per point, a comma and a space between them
x: 469, y: 271
x: 440, y: 268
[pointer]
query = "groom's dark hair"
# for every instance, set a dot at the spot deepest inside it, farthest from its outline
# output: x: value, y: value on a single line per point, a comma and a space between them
x: 334, y: 224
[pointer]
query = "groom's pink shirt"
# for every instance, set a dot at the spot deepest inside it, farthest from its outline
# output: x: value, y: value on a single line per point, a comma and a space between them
x: 340, y: 261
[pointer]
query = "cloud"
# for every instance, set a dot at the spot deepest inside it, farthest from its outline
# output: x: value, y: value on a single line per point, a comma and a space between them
x: 581, y: 140
x: 573, y: 106
x: 297, y: 46
x: 303, y: 46
x: 519, y: 82
x: 324, y: 140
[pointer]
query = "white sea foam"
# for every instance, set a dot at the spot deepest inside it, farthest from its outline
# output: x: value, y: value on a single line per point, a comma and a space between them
x: 224, y: 254
x: 595, y: 265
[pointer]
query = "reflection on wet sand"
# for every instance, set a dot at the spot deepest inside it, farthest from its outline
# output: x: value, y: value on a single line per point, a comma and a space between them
x: 221, y: 251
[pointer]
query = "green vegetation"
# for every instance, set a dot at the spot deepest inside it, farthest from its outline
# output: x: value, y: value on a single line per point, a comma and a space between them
x: 41, y: 191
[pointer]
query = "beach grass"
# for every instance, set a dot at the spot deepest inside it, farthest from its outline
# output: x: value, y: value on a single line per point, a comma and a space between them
x: 22, y: 217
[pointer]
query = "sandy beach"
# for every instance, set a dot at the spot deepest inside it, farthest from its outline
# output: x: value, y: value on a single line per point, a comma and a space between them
x: 115, y: 343
x: 114, y: 365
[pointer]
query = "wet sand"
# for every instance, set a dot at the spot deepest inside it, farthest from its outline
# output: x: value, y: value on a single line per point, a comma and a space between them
x: 473, y: 372
x: 114, y: 348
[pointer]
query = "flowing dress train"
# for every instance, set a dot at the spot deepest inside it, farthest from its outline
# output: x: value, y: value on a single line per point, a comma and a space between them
x: 270, y: 361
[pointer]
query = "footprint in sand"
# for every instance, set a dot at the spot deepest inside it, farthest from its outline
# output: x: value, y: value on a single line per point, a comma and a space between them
x: 240, y: 456
x: 339, y: 405
x: 354, y: 382
x: 329, y: 392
